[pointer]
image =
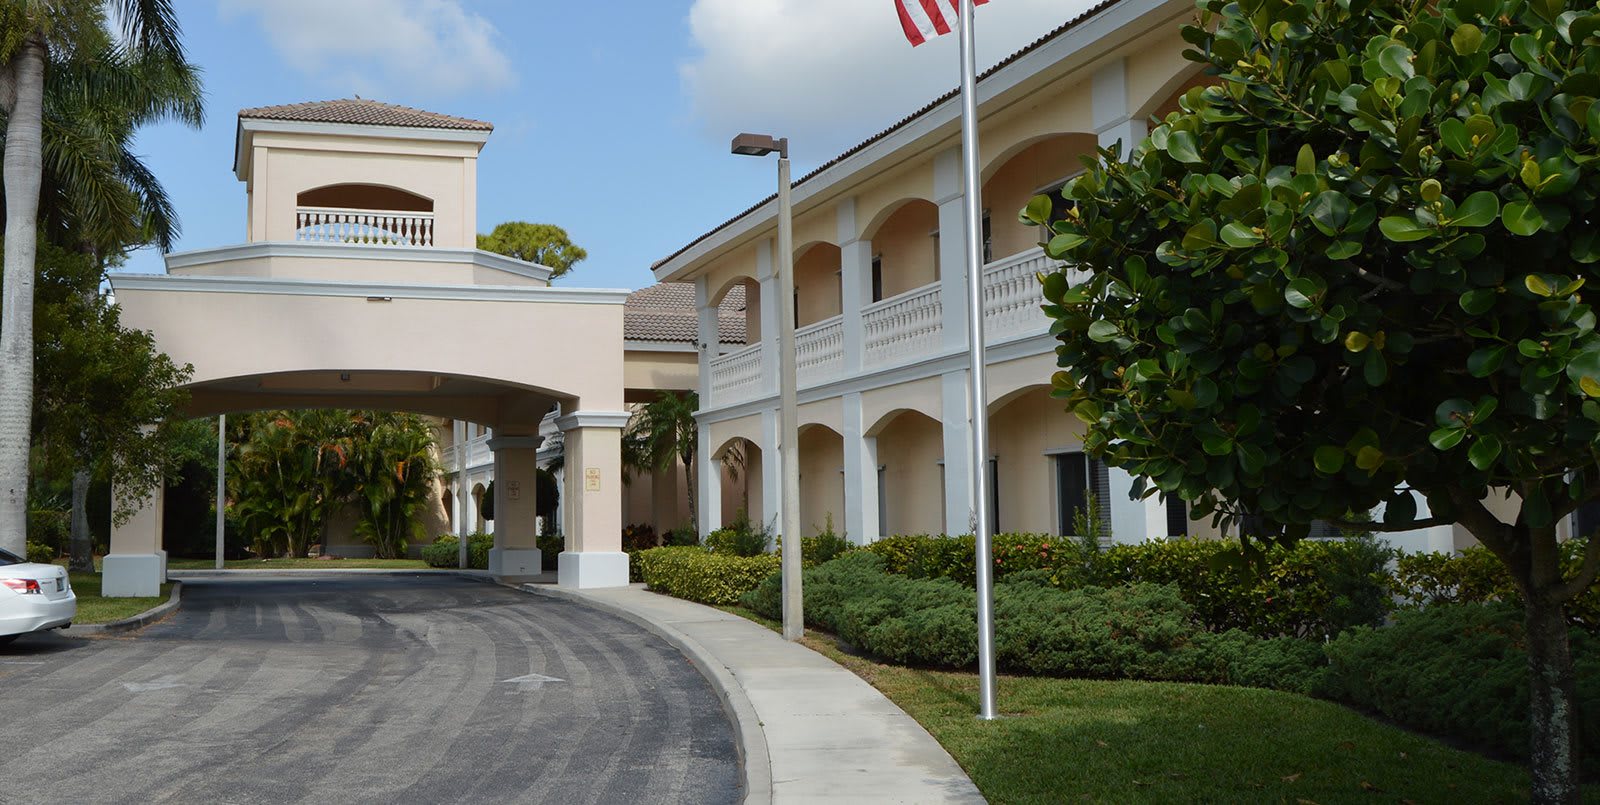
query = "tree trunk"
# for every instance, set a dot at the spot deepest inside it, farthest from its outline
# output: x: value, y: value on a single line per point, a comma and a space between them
x: 24, y: 167
x: 1552, y: 693
x: 82, y: 543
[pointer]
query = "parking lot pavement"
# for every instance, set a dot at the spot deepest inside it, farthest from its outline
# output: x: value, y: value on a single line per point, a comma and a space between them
x: 360, y: 689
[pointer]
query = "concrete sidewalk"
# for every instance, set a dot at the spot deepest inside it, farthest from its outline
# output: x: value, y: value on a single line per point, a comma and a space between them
x: 809, y: 730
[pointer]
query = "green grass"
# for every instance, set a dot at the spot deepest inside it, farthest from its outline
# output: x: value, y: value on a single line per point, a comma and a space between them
x: 298, y: 564
x: 94, y: 609
x: 1072, y: 740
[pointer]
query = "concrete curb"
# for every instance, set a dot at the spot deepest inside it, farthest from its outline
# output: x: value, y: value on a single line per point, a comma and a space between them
x: 138, y: 621
x: 755, y: 763
x: 308, y: 572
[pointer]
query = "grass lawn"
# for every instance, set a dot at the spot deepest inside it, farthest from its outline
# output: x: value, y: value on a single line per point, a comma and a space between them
x: 297, y: 564
x: 94, y: 609
x: 1070, y: 740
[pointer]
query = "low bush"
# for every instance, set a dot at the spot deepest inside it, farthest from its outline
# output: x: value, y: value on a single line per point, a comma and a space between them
x: 550, y: 548
x: 1314, y: 589
x: 1478, y: 576
x: 446, y: 551
x: 639, y: 537
x: 41, y: 553
x: 1459, y: 670
x: 1138, y: 631
x: 823, y: 548
x: 683, y: 535
x: 699, y: 575
x: 51, y: 528
x: 740, y: 538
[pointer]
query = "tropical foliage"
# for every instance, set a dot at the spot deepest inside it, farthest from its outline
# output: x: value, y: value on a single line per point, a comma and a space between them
x: 661, y: 435
x: 545, y: 244
x: 1349, y: 274
x: 289, y: 472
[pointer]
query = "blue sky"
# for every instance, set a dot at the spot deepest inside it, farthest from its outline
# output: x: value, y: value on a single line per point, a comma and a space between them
x: 612, y: 119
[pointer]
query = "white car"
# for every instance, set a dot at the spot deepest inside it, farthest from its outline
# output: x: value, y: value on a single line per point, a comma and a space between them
x: 33, y: 597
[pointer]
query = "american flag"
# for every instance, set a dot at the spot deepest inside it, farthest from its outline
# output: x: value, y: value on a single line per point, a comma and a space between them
x: 925, y: 19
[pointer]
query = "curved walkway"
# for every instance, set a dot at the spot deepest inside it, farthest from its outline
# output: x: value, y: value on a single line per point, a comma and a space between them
x: 809, y: 730
x: 363, y: 689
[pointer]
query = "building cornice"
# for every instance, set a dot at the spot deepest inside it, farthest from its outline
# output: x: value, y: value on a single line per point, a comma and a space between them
x: 659, y: 346
x: 593, y: 419
x: 372, y: 291
x: 249, y: 125
x: 350, y: 251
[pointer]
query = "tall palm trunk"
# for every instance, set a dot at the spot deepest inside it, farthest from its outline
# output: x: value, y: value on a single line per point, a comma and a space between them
x: 82, y: 543
x: 24, y: 167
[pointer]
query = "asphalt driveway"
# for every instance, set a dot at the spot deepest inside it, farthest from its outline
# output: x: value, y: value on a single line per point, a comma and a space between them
x: 413, y: 689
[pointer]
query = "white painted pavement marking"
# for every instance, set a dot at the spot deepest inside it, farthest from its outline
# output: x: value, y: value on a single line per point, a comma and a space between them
x: 530, y: 681
x: 164, y: 683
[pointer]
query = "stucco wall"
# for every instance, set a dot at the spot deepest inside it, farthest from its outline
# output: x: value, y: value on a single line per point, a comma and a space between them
x: 821, y: 480
x: 907, y: 244
x: 816, y: 282
x: 909, y: 450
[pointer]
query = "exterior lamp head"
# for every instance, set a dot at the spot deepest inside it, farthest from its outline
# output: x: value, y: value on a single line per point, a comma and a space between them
x: 759, y: 145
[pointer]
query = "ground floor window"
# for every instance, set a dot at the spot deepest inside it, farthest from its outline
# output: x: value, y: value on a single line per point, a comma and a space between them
x: 994, y: 496
x: 1077, y: 478
x: 1177, y: 516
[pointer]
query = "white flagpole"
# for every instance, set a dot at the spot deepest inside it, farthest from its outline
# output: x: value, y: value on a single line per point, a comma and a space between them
x: 979, y: 401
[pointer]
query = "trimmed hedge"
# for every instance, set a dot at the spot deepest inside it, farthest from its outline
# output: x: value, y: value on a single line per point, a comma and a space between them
x: 446, y: 551
x: 1478, y: 576
x: 1458, y: 670
x: 1315, y: 589
x: 41, y: 553
x: 696, y: 574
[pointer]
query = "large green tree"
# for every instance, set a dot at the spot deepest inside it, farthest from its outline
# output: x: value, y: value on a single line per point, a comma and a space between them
x: 545, y: 244
x: 1352, y: 274
x: 98, y: 74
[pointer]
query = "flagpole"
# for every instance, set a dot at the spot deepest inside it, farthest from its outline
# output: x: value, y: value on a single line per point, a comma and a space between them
x: 978, y: 404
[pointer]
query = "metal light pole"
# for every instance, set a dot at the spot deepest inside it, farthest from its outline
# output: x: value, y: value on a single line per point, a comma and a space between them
x: 222, y: 479
x: 460, y: 434
x: 794, y: 624
x: 979, y: 402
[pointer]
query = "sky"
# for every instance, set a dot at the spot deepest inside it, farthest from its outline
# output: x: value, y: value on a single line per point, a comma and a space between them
x: 612, y: 119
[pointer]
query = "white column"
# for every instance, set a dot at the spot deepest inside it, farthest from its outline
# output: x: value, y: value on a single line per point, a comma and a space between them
x: 1114, y: 121
x: 860, y: 475
x: 952, y: 251
x: 1130, y: 519
x: 855, y: 283
x: 593, y: 556
x: 771, y: 297
x: 958, y: 463
x: 771, y: 471
x: 708, y: 483
x: 515, y: 554
x: 710, y: 339
x: 136, y: 565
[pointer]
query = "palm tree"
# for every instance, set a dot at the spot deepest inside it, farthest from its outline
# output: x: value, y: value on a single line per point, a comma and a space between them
x: 663, y: 433
x: 70, y: 47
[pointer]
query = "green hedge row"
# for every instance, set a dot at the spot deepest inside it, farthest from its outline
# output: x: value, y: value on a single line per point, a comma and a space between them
x: 1315, y: 589
x: 1477, y: 576
x: 446, y: 551
x: 1454, y: 670
x: 696, y: 574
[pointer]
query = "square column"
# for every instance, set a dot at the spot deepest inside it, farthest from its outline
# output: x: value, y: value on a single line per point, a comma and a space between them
x: 855, y: 284
x: 708, y: 483
x: 515, y: 554
x: 771, y: 297
x: 958, y: 463
x: 947, y: 193
x: 860, y: 475
x: 710, y: 338
x: 136, y: 567
x: 771, y: 471
x: 593, y: 468
x: 1114, y: 121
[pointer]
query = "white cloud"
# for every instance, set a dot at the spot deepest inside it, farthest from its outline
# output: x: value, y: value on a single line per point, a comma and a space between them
x: 828, y: 73
x: 383, y: 48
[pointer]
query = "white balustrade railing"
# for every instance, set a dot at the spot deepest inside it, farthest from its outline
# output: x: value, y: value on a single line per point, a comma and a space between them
x: 737, y: 375
x: 363, y: 227
x: 1012, y: 296
x: 819, y: 351
x: 903, y: 326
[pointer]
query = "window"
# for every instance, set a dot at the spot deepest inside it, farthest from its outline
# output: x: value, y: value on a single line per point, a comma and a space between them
x: 988, y: 238
x: 1078, y: 477
x: 994, y: 496
x: 1177, y: 516
x: 877, y: 278
x: 1586, y: 520
x: 883, y: 501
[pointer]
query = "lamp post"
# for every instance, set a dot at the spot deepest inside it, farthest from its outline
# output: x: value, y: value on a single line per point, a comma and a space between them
x: 760, y: 145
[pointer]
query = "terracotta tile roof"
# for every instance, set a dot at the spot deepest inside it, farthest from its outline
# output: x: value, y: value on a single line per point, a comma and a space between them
x: 666, y: 312
x: 363, y: 112
x: 929, y: 107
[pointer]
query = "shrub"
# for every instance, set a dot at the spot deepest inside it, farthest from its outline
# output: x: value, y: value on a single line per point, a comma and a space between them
x: 741, y: 538
x: 639, y: 537
x: 1477, y: 576
x: 683, y: 535
x: 50, y: 528
x: 1458, y: 670
x: 823, y: 548
x: 696, y: 574
x: 446, y: 551
x: 41, y: 553
x: 550, y: 548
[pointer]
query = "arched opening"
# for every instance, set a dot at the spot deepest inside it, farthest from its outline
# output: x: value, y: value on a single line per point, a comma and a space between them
x: 739, y: 465
x: 818, y: 287
x: 364, y: 197
x: 905, y: 249
x: 910, y: 474
x: 478, y: 522
x: 740, y: 298
x: 821, y: 479
x: 1165, y: 101
x: 1038, y: 167
x: 363, y: 214
x: 1037, y: 469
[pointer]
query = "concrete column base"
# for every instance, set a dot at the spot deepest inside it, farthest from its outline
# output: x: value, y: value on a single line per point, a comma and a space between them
x: 585, y: 570
x: 515, y: 563
x: 131, y: 575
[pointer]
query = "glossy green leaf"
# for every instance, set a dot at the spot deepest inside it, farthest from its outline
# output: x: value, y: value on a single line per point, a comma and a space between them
x: 1522, y: 218
x: 1103, y: 331
x: 1484, y: 450
x: 1369, y: 458
x: 1478, y: 300
x: 1356, y: 341
x: 1486, y: 361
x: 1343, y: 249
x: 1302, y: 293
x: 1240, y: 236
x: 1329, y: 211
x: 1480, y: 209
x: 1182, y: 146
x: 1402, y: 230
x: 1396, y: 61
x: 1446, y: 438
x: 1061, y: 244
x: 1329, y: 459
x: 1538, y: 286
x: 1467, y: 39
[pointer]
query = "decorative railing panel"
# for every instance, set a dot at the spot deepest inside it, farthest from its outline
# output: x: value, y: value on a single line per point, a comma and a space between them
x: 736, y: 376
x: 1012, y: 296
x: 902, y: 327
x: 819, y: 351
x: 363, y: 227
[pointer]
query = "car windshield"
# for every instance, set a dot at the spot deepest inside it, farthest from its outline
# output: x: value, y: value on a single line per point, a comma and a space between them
x: 8, y: 558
